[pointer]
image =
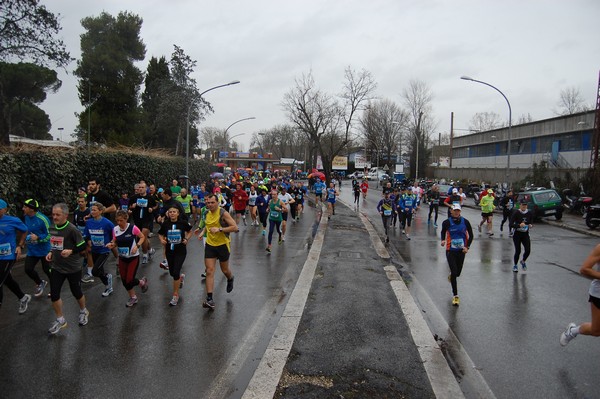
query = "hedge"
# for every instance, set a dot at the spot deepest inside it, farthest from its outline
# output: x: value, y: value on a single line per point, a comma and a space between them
x: 54, y: 175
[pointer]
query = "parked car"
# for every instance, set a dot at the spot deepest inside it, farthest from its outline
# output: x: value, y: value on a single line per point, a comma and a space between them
x: 542, y: 203
x: 384, y: 178
x: 356, y: 175
x: 471, y: 189
x: 444, y: 188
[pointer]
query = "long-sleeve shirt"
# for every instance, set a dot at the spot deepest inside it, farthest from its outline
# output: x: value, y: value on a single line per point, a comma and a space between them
x: 38, y: 224
x: 386, y: 206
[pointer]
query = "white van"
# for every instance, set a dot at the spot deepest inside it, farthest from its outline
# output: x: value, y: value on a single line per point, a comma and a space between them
x: 375, y: 173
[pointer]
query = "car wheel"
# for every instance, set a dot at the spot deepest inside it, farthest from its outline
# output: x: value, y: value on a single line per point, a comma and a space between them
x: 558, y: 215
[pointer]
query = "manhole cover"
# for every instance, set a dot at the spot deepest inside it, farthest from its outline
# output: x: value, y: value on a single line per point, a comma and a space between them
x: 350, y: 255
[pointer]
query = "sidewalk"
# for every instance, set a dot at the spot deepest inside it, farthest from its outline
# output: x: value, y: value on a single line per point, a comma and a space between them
x: 353, y: 339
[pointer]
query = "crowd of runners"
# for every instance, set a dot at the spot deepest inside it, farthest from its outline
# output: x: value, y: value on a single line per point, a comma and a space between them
x: 78, y: 248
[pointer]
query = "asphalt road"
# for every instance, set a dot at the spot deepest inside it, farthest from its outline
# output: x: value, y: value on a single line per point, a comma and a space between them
x: 507, y: 327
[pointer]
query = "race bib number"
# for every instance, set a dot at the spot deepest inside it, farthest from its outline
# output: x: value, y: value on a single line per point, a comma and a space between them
x: 174, y: 236
x: 57, y: 243
x: 142, y: 202
x: 97, y: 241
x: 435, y: 202
x: 124, y: 207
x: 387, y: 212
x: 457, y: 243
x: 123, y: 251
x: 524, y: 229
x: 5, y: 249
x: 275, y: 214
x: 408, y: 203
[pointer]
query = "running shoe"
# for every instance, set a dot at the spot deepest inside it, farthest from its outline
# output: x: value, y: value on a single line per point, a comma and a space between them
x: 407, y: 236
x: 479, y: 228
x: 510, y: 234
x: 523, y: 265
x: 174, y: 301
x: 264, y: 232
x: 455, y: 300
x: 181, y: 280
x: 39, y: 289
x: 151, y: 252
x: 164, y: 264
x: 143, y: 284
x: 209, y: 304
x: 244, y: 220
x: 283, y: 237
x: 515, y: 268
x: 144, y: 259
x: 268, y: 250
x: 203, y: 275
x: 109, y: 286
x: 435, y: 225
x: 83, y: 317
x: 490, y: 234
x: 387, y: 239
x: 501, y: 228
x: 428, y: 221
x: 280, y: 240
x: 403, y: 232
x: 57, y: 326
x: 230, y: 284
x: 132, y: 301
x: 23, y: 303
x: 87, y: 278
x: 566, y: 336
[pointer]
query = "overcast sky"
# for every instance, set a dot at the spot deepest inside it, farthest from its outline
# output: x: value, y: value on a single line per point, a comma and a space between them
x: 529, y: 49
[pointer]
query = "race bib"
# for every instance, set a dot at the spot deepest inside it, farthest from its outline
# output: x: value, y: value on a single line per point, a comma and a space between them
x: 57, y: 243
x: 174, y: 236
x: 124, y: 207
x: 524, y: 229
x: 435, y: 202
x: 142, y: 202
x: 408, y: 203
x: 457, y: 243
x: 387, y: 212
x: 97, y: 241
x: 123, y: 251
x: 275, y: 214
x: 5, y: 249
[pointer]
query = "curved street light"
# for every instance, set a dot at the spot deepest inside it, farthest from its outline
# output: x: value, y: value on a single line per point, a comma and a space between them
x: 227, y: 139
x: 187, y: 147
x: 509, y: 122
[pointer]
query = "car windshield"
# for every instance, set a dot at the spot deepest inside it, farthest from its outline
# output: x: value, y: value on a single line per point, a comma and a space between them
x: 548, y: 196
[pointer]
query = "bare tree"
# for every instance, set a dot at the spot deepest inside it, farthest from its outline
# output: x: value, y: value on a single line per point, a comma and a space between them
x: 570, y: 102
x: 326, y: 121
x: 383, y: 125
x: 417, y: 99
x: 525, y: 118
x: 484, y: 121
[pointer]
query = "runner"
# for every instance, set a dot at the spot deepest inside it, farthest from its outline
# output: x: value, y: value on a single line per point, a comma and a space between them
x: 453, y: 199
x: 240, y: 201
x: 356, y: 191
x: 457, y: 236
x: 319, y: 186
x: 332, y: 193
x: 433, y: 196
x: 364, y: 187
x: 508, y: 204
x: 127, y: 237
x: 487, y: 211
x: 276, y: 209
x: 12, y: 229
x: 174, y: 235
x: 252, y: 196
x: 142, y: 208
x: 219, y: 224
x: 300, y: 199
x: 186, y: 202
x: 80, y: 216
x: 408, y: 206
x: 386, y: 208
x: 67, y: 245
x: 520, y: 222
x: 98, y: 233
x: 287, y: 199
x: 262, y: 206
x: 593, y: 327
x: 38, y: 244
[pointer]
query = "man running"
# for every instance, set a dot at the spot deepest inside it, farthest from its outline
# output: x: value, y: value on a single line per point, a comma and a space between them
x: 38, y: 244
x: 142, y: 208
x: 433, y: 196
x: 219, y: 224
x: 287, y: 199
x: 407, y: 204
x: 520, y: 223
x: 332, y: 194
x: 508, y: 204
x: 364, y: 187
x: 487, y: 211
x: 386, y: 208
x: 319, y: 186
x: 457, y: 236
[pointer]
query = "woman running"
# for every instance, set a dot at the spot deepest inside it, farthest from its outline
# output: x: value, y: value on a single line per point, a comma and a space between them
x: 276, y: 209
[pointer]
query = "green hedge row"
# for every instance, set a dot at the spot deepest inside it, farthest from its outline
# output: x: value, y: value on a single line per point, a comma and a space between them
x: 52, y: 176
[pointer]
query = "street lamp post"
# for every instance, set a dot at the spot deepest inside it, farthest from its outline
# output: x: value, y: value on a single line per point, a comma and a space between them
x: 509, y: 122
x: 228, y: 127
x: 187, y: 147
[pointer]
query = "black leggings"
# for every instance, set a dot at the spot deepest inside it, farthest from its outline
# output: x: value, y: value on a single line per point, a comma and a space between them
x: 386, y: 223
x: 98, y: 269
x: 518, y: 239
x: 455, y: 262
x: 56, y: 282
x: 127, y: 270
x: 272, y: 225
x: 263, y: 219
x: 505, y: 216
x: 356, y: 197
x: 30, y: 262
x: 293, y: 210
x: 7, y: 279
x: 176, y: 259
x: 433, y: 207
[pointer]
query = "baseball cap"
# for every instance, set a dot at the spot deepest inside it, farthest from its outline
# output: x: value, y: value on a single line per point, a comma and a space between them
x: 160, y: 190
x: 31, y: 203
x: 523, y: 202
x: 456, y: 206
x: 3, y: 204
x: 454, y: 191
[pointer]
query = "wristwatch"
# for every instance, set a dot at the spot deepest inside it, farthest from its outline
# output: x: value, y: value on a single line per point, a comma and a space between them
x: 220, y: 229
